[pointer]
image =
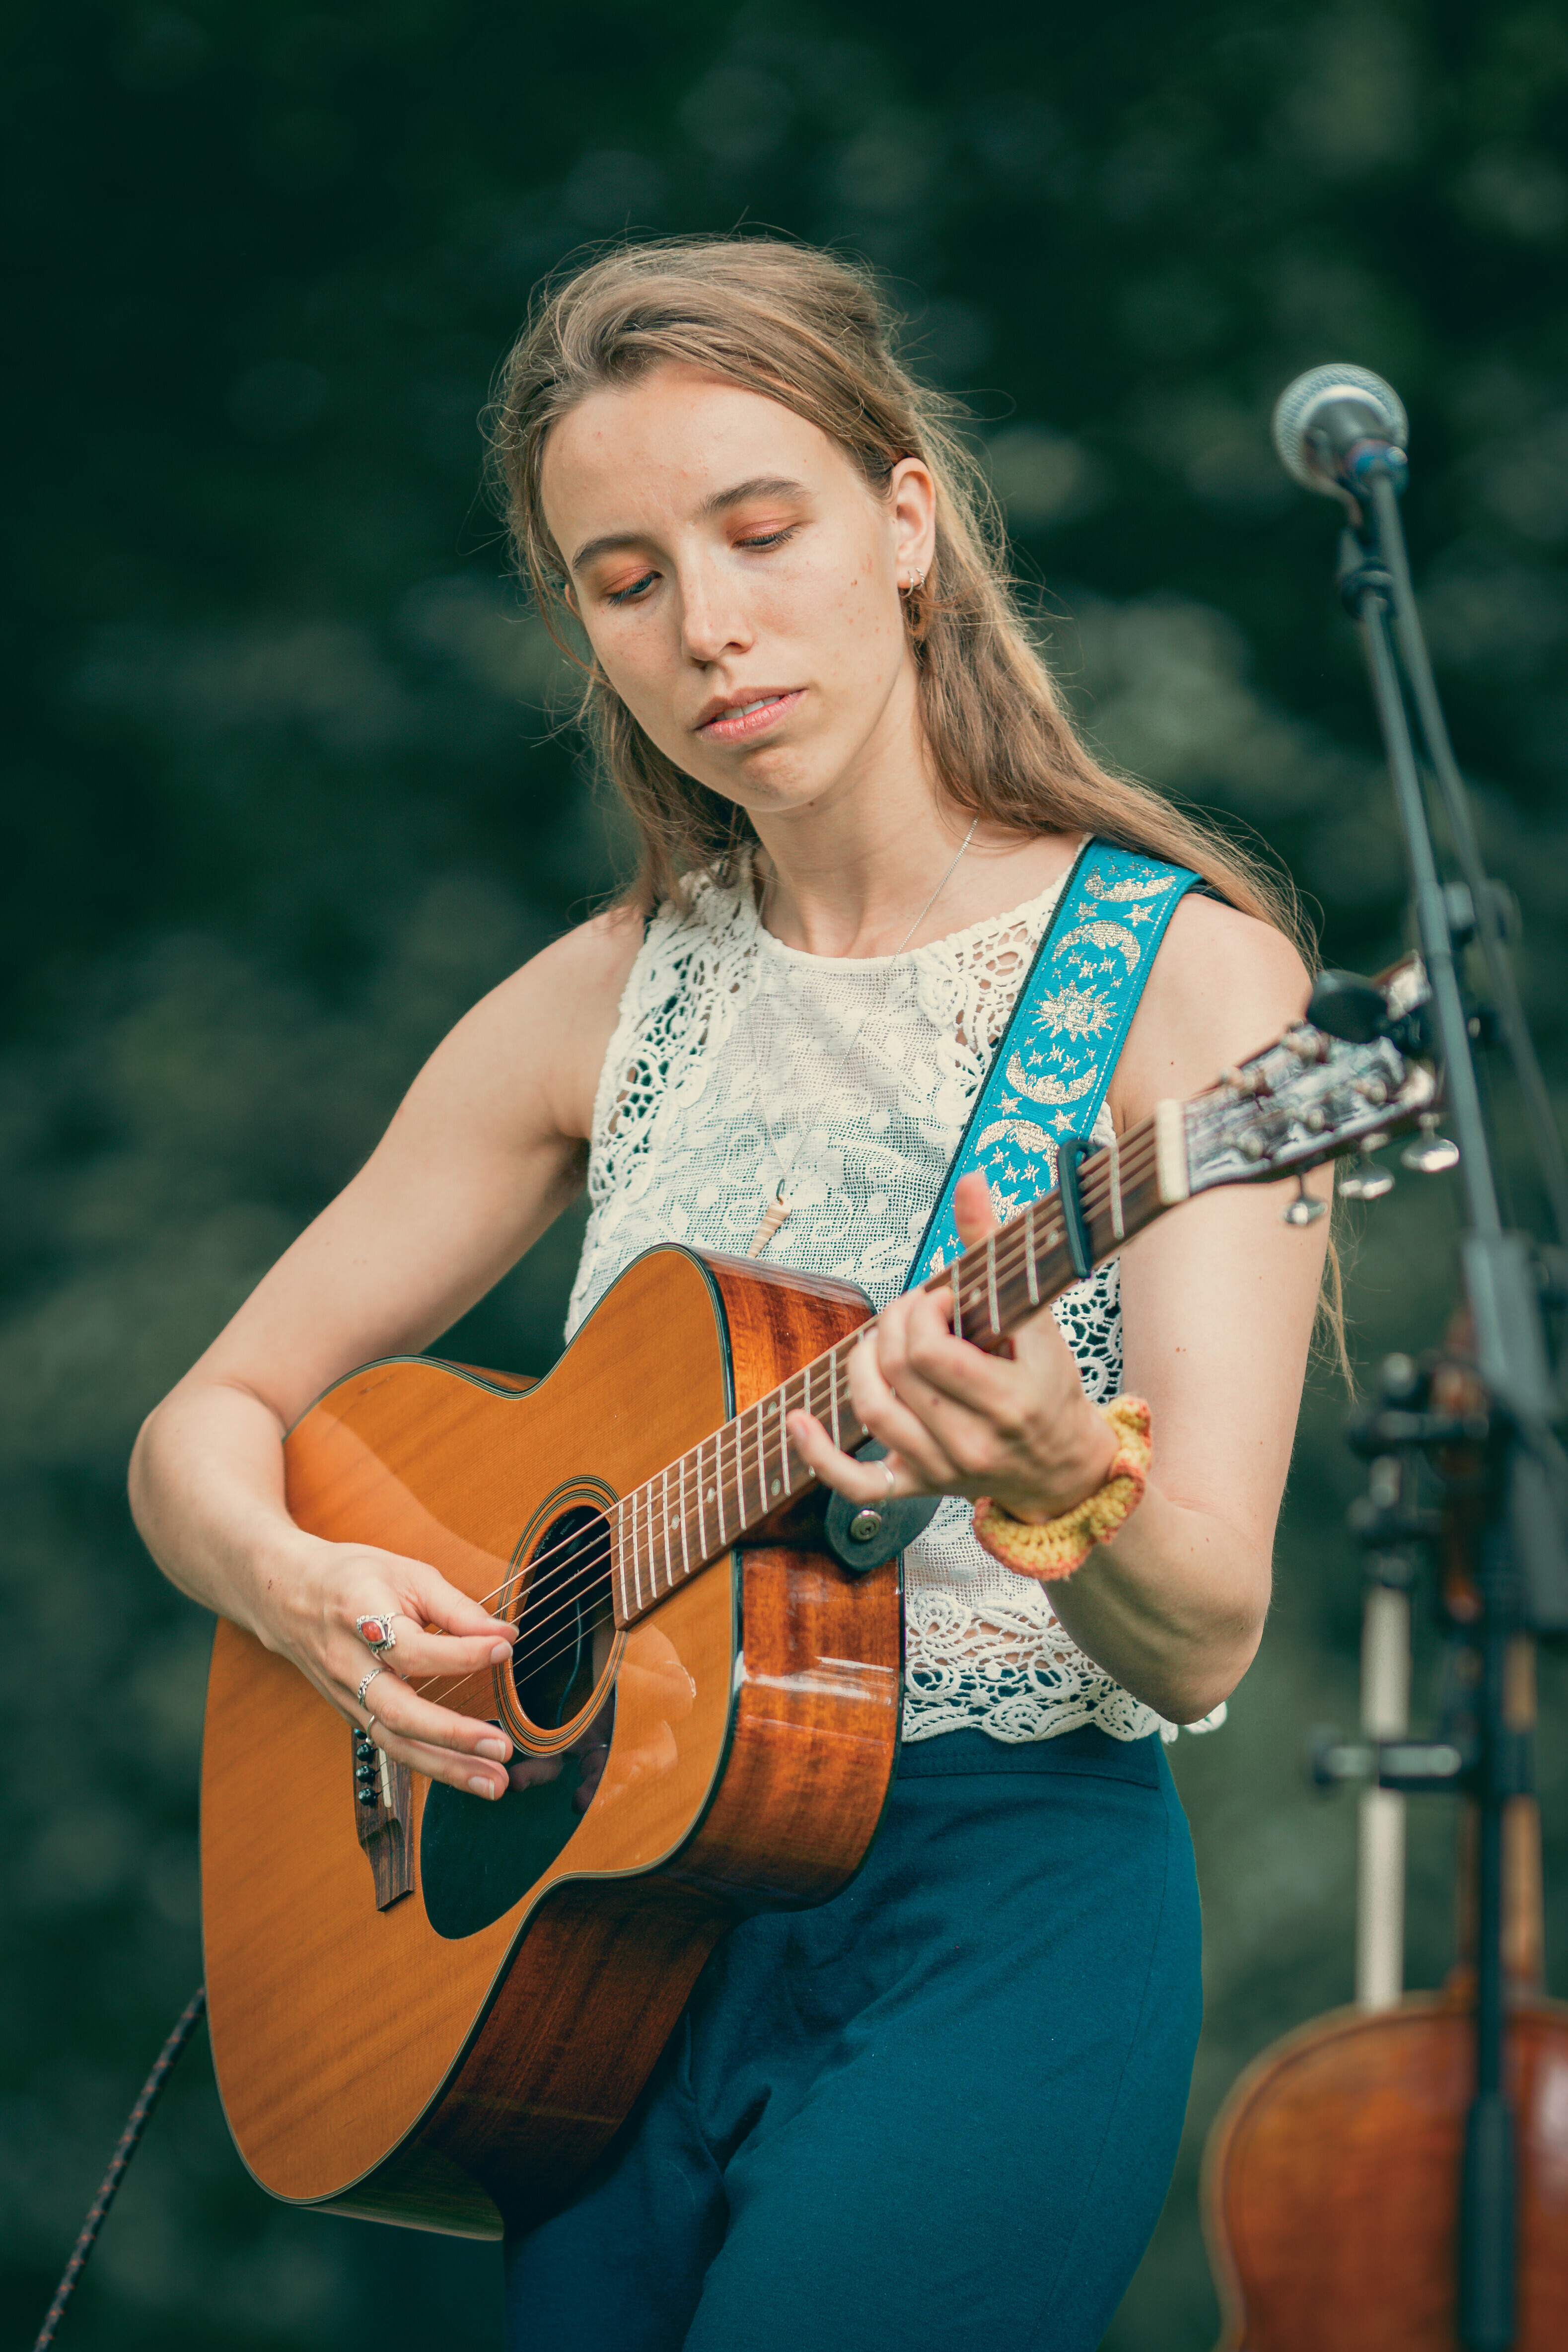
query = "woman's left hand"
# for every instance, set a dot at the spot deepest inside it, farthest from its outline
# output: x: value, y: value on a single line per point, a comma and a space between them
x: 956, y: 1421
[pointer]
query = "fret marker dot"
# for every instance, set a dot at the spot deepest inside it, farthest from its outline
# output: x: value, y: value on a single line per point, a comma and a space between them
x: 774, y: 1488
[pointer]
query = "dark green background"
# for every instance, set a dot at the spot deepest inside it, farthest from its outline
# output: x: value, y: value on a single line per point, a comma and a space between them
x: 288, y: 786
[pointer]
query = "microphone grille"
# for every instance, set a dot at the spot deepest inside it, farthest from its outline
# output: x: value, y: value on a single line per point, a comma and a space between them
x: 1294, y: 410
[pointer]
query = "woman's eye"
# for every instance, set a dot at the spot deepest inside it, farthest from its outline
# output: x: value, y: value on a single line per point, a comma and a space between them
x: 628, y: 594
x: 770, y: 538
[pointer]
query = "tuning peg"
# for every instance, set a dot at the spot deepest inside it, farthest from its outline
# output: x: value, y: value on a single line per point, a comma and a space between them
x: 1429, y: 1153
x: 1303, y: 1209
x: 1367, y: 1181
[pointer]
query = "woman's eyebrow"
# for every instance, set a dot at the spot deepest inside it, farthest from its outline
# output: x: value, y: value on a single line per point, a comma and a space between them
x: 761, y: 486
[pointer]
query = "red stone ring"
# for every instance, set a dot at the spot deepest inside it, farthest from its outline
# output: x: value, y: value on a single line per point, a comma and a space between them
x: 376, y: 1631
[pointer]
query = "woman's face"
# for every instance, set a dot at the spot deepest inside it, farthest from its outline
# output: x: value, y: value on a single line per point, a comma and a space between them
x: 738, y: 580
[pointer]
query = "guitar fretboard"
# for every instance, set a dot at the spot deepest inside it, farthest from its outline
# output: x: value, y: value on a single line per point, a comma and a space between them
x: 722, y: 1492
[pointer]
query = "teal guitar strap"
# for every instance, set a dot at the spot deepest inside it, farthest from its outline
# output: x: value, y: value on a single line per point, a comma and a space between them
x: 1048, y: 1076
x: 1041, y: 1097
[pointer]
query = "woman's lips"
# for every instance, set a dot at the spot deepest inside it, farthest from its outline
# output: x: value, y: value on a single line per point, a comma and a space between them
x: 745, y: 721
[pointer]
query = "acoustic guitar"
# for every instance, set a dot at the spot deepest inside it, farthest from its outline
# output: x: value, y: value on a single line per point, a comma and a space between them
x: 435, y: 2009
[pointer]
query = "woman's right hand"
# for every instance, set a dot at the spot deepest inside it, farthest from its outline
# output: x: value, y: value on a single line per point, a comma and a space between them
x: 446, y: 1647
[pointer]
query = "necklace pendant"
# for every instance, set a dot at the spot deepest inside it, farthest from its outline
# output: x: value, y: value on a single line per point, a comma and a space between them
x: 774, y: 1216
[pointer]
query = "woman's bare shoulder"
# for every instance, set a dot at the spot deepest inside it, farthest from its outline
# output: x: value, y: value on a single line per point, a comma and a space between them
x: 584, y: 971
x: 1224, y: 985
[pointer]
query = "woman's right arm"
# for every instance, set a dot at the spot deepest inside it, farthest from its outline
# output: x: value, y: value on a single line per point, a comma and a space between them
x: 484, y: 1152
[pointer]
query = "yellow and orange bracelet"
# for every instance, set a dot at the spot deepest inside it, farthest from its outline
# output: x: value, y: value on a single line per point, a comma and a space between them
x: 1056, y: 1547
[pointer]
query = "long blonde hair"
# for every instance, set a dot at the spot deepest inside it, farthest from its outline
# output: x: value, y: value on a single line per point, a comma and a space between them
x: 810, y: 331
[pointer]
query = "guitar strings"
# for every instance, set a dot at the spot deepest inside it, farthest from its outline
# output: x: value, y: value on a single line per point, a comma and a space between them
x: 1136, y: 1162
x: 1012, y: 1258
x: 1011, y: 1255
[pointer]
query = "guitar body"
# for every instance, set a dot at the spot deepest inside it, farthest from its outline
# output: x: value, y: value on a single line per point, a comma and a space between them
x: 431, y: 2009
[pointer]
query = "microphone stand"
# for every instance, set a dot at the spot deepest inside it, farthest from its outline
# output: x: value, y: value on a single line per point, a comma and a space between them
x: 1521, y: 1568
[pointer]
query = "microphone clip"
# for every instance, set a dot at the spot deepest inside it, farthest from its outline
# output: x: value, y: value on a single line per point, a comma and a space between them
x: 1359, y: 572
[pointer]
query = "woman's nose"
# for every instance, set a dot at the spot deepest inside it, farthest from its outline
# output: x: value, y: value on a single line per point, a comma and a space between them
x: 712, y: 616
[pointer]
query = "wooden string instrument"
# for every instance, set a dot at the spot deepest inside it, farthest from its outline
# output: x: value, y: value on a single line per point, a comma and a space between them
x: 435, y: 2011
x: 1331, y: 2174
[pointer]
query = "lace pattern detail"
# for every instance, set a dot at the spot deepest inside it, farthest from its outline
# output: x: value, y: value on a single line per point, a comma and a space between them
x: 867, y: 1068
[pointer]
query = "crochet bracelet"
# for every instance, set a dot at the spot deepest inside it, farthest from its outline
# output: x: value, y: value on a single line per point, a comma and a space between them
x: 1056, y: 1547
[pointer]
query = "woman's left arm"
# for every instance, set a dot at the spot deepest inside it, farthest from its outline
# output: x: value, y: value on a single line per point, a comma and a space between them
x: 1217, y: 1303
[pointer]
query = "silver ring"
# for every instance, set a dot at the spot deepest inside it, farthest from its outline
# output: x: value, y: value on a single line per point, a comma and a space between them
x: 888, y: 1472
x: 374, y: 1631
x: 359, y: 1694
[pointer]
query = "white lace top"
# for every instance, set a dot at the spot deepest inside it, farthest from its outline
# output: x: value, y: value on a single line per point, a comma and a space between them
x: 735, y: 1057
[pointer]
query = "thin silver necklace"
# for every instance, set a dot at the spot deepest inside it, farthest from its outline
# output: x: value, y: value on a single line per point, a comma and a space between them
x: 778, y: 1208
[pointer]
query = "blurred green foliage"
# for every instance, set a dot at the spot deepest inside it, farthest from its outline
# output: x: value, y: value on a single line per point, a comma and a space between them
x: 289, y: 784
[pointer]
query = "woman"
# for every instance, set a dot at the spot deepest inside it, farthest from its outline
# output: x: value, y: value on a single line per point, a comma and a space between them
x: 943, y: 2107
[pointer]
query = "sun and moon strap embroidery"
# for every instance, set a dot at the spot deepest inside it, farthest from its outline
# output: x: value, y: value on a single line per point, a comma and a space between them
x: 1048, y: 1076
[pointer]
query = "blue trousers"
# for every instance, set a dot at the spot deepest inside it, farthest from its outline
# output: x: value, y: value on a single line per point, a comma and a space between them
x: 940, y: 2110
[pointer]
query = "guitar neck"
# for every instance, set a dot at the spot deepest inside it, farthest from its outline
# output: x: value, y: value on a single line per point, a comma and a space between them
x: 723, y: 1490
x: 1300, y: 1102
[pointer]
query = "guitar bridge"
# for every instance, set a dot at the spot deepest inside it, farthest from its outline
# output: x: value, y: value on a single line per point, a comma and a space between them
x: 383, y: 1805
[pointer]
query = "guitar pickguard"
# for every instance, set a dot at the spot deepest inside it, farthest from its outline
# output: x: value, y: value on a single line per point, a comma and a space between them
x: 478, y: 1856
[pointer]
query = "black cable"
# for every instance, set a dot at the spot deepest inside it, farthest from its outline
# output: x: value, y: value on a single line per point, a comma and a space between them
x: 136, y: 2124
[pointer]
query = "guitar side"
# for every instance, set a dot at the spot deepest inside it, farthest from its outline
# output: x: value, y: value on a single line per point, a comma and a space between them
x: 367, y: 2062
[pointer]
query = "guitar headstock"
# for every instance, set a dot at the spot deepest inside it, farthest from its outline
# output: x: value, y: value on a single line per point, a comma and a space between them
x: 1310, y: 1096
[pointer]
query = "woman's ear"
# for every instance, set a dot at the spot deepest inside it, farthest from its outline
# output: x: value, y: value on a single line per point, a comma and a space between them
x: 912, y: 493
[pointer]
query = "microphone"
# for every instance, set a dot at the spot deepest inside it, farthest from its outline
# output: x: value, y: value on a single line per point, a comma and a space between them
x: 1338, y: 427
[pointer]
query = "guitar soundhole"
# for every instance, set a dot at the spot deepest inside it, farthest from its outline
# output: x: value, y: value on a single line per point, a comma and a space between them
x: 478, y: 1857
x: 565, y: 1604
